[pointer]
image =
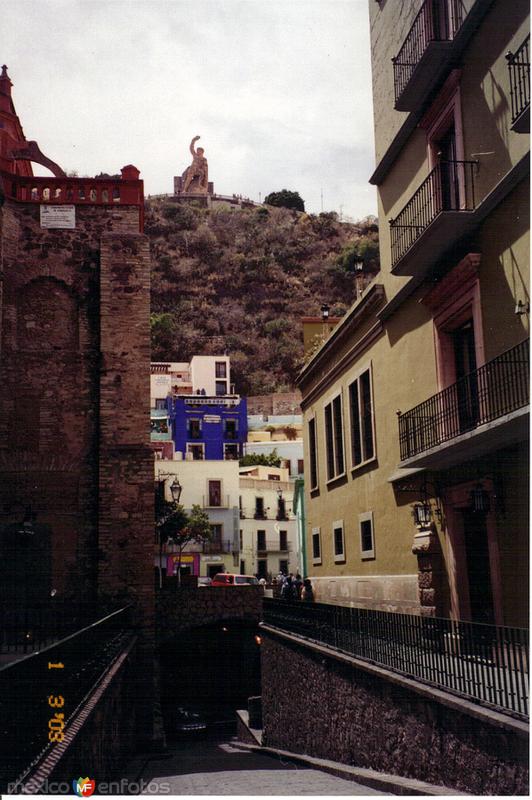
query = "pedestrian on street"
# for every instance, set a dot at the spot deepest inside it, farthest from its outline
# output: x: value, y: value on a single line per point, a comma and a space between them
x: 307, y: 592
x: 288, y: 590
x: 298, y: 583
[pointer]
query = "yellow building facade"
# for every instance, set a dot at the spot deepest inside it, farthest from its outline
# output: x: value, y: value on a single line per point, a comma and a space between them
x: 417, y: 403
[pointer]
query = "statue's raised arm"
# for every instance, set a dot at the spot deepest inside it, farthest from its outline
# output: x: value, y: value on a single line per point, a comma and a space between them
x: 191, y: 148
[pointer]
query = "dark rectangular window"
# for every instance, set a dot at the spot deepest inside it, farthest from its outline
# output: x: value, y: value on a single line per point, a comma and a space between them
x: 367, y: 541
x: 230, y: 429
x: 194, y: 428
x: 283, y: 540
x: 338, y: 435
x: 215, y: 493
x: 283, y: 566
x: 313, y: 454
x: 221, y: 388
x: 300, y: 466
x: 281, y: 508
x: 334, y: 437
x: 160, y: 403
x: 338, y: 541
x: 329, y: 441
x: 216, y: 535
x: 361, y: 412
x: 316, y: 544
x: 242, y: 567
x: 259, y: 508
x: 231, y: 452
x: 197, y: 450
x: 261, y: 540
x: 220, y: 368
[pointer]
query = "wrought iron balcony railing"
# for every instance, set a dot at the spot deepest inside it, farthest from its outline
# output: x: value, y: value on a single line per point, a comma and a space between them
x: 487, y: 664
x: 450, y: 186
x: 497, y: 388
x: 272, y: 546
x: 519, y: 67
x: 437, y: 21
x: 218, y: 546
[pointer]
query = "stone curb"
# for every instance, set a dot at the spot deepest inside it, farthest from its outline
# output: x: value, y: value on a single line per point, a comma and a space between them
x: 393, y: 784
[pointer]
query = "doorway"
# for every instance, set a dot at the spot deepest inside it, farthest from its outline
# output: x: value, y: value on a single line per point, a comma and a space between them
x: 466, y: 378
x: 478, y: 566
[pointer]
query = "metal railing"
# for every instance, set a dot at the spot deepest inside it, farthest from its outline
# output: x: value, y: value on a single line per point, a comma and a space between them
x: 27, y: 628
x: 41, y: 693
x: 495, y: 389
x: 519, y: 68
x: 218, y: 546
x: 487, y: 664
x: 272, y: 546
x: 437, y: 21
x: 450, y: 186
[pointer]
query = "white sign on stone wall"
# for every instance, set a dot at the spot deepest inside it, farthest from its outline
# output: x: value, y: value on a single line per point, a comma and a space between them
x: 58, y: 216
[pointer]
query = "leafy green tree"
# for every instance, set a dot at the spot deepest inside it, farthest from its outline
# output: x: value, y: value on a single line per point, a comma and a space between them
x: 261, y: 459
x: 175, y: 526
x: 286, y: 199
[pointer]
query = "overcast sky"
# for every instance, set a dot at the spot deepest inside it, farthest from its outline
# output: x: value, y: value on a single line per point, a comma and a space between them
x: 278, y: 90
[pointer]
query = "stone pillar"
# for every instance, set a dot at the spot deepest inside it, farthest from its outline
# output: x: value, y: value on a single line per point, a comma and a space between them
x: 426, y: 547
x: 126, y: 514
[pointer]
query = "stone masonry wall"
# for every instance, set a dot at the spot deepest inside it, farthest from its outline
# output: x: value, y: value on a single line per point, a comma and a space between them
x: 183, y: 608
x: 316, y: 705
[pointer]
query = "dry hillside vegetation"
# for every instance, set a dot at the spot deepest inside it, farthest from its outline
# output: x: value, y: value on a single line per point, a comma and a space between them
x: 239, y: 281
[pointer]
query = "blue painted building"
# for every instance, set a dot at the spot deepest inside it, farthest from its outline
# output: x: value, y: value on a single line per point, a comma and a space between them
x: 208, y: 427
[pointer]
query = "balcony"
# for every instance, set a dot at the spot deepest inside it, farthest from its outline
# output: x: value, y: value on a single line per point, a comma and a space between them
x: 437, y: 216
x: 426, y: 51
x: 484, y: 410
x: 272, y: 547
x: 217, y: 546
x: 519, y: 68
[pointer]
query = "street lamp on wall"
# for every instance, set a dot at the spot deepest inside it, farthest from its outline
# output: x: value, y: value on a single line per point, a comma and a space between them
x: 175, y: 490
x: 480, y: 499
x: 422, y: 515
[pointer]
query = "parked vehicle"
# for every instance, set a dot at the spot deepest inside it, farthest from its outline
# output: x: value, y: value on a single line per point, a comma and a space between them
x: 204, y: 581
x: 228, y: 579
x: 187, y: 721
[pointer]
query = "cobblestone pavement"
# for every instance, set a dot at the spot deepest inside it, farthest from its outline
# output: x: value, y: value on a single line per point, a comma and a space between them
x: 222, y: 767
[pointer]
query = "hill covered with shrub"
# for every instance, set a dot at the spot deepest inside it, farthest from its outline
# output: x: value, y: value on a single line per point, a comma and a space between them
x: 238, y: 280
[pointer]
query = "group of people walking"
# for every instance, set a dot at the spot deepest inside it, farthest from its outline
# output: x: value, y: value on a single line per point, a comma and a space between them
x: 293, y: 587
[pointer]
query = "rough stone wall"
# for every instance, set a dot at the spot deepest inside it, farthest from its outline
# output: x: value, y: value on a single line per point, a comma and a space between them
x: 279, y: 403
x: 74, y: 410
x: 318, y: 706
x: 183, y: 608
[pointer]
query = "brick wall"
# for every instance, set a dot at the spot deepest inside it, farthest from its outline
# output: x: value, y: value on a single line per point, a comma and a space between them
x: 317, y: 705
x: 74, y: 412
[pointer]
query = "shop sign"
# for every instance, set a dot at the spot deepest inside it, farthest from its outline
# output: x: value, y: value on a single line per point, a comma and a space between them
x: 212, y: 418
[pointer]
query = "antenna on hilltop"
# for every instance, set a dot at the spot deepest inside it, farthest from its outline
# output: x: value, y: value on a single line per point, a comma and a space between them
x: 321, y: 190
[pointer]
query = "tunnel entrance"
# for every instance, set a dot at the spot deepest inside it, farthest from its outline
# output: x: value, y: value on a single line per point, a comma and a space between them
x: 212, y: 669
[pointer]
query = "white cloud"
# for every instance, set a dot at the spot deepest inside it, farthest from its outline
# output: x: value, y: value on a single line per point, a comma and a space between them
x: 279, y: 90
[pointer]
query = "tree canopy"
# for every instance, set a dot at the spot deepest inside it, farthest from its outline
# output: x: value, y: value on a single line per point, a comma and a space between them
x: 285, y: 199
x: 261, y: 459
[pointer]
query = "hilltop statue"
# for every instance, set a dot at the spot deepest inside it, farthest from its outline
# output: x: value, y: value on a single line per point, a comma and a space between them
x: 197, y: 175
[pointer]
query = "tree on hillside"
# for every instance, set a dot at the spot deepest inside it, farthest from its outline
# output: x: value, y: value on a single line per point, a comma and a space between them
x: 285, y: 199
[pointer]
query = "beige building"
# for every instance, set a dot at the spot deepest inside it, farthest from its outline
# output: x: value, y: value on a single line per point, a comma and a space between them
x: 268, y: 529
x: 417, y: 403
x: 214, y: 486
